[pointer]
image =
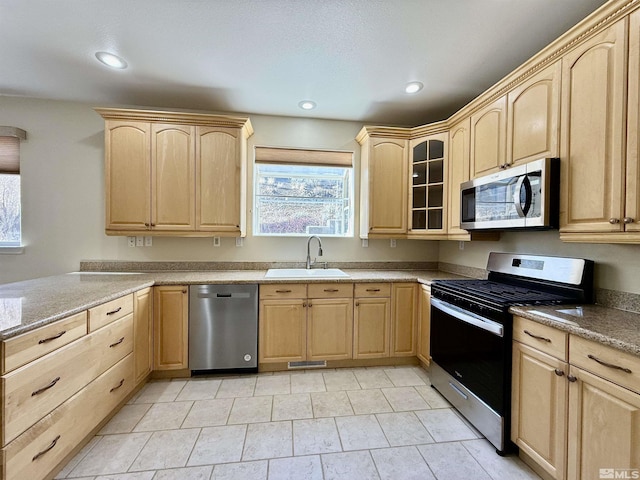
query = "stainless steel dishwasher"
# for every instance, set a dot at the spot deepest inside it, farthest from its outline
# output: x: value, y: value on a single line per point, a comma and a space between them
x: 223, y: 327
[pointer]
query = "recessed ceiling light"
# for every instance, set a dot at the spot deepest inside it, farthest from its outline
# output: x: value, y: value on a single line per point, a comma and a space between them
x: 111, y: 60
x: 307, y: 105
x: 413, y: 87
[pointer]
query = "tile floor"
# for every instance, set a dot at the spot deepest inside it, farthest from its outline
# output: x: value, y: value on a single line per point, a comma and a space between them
x: 364, y: 423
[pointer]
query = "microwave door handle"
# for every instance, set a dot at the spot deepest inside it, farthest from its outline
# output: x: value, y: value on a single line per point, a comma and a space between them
x: 523, y: 181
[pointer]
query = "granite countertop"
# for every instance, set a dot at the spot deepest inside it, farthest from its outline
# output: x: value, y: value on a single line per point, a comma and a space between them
x: 609, y: 326
x: 30, y: 304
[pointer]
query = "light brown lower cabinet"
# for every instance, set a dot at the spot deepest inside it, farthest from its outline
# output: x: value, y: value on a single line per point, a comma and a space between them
x: 329, y: 328
x: 170, y: 327
x: 404, y: 319
x: 142, y: 333
x: 372, y: 320
x: 424, y: 324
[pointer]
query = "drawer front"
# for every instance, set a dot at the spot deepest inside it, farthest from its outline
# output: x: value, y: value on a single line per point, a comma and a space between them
x: 363, y: 290
x: 110, y: 312
x: 284, y: 290
x: 541, y: 337
x: 330, y: 290
x: 608, y: 362
x: 20, y: 350
x: 35, y: 453
x: 32, y: 391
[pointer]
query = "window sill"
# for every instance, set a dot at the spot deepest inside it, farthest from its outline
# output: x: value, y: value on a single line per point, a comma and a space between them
x: 17, y: 250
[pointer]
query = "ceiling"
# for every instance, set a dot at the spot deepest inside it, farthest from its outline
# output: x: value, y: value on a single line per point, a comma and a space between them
x: 352, y: 57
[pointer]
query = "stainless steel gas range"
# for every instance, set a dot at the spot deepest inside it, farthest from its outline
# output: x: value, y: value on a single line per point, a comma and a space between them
x: 471, y: 331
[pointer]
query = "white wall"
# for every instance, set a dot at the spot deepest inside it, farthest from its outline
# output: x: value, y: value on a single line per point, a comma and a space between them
x: 63, y: 196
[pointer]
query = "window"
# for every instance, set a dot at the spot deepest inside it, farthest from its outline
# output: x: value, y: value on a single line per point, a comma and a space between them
x: 303, y: 192
x: 10, y: 218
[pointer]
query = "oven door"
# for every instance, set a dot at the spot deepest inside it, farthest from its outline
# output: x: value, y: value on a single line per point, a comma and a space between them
x: 473, y: 350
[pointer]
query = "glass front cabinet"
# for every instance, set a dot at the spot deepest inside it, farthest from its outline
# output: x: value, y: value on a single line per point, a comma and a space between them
x: 427, y: 213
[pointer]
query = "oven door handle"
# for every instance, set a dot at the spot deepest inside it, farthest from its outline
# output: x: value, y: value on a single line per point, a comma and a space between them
x: 468, y: 317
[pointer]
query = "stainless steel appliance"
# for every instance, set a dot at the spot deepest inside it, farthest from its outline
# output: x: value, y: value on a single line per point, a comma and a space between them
x: 525, y: 196
x: 471, y: 331
x: 223, y: 327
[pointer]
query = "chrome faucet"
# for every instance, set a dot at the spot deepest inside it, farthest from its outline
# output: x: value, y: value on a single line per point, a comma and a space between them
x: 309, y: 262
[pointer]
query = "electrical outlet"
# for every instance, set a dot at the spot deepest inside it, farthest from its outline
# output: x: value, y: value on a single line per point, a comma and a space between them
x: 461, y: 245
x: 139, y: 241
x: 239, y: 241
x: 216, y: 241
x: 365, y: 242
x: 392, y: 243
x: 148, y: 241
x: 131, y: 241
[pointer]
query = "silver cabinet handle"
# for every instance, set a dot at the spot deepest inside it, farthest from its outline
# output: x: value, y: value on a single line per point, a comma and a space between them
x: 45, y: 340
x: 614, y: 221
x: 628, y: 220
x: 537, y: 337
x: 559, y: 372
x: 571, y: 378
x: 610, y: 365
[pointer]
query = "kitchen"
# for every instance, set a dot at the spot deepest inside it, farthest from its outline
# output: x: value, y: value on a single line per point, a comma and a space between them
x: 59, y: 231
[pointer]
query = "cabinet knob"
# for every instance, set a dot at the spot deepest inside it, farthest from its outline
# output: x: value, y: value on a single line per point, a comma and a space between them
x: 357, y: 304
x: 613, y: 221
x: 571, y: 378
x: 627, y: 220
x: 147, y: 225
x: 184, y: 291
x: 559, y: 372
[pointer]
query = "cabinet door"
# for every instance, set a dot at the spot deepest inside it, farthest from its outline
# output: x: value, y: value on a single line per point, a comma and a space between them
x: 219, y: 170
x: 632, y: 209
x: 604, y: 426
x: 282, y: 330
x: 388, y: 185
x: 539, y: 408
x: 330, y: 329
x: 371, y: 327
x: 127, y: 175
x: 142, y: 334
x: 458, y: 172
x: 533, y: 110
x: 424, y: 324
x: 592, y: 133
x: 404, y: 315
x: 488, y: 138
x: 170, y: 327
x: 173, y: 177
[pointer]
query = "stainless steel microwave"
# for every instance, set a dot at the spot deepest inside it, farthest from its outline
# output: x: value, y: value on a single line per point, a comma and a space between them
x: 525, y: 196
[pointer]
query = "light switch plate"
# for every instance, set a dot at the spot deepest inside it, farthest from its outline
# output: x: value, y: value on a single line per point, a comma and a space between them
x: 239, y: 241
x: 392, y: 243
x: 216, y: 241
x: 148, y: 241
x: 365, y: 242
x: 139, y: 241
x: 131, y: 241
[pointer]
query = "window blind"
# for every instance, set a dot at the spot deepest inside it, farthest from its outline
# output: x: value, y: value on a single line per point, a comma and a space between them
x: 10, y: 149
x: 296, y: 156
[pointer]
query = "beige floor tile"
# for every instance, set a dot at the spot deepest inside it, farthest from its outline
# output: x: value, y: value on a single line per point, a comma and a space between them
x: 340, y: 380
x: 373, y: 379
x: 273, y: 385
x: 404, y: 377
x: 241, y: 471
x: 160, y: 391
x: 368, y: 401
x: 77, y: 458
x: 186, y: 473
x: 295, y: 468
x: 208, y: 413
x: 433, y: 398
x: 307, y: 383
x: 349, y: 466
x: 404, y: 463
x: 331, y: 404
x: 250, y: 410
x: 236, y: 387
x: 166, y: 449
x: 444, y: 425
x: 126, y: 419
x: 199, y: 389
x: 423, y: 374
x: 127, y: 476
x: 498, y: 467
x: 360, y: 432
x: 112, y: 454
x: 451, y: 461
x: 404, y: 399
x: 268, y: 440
x: 164, y: 416
x: 403, y: 428
x: 318, y: 435
x: 218, y: 445
x: 292, y: 407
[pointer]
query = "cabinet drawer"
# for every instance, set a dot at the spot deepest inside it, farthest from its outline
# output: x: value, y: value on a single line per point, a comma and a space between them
x: 608, y: 362
x: 109, y: 312
x: 330, y: 290
x: 372, y: 290
x: 20, y: 350
x: 35, y: 453
x: 541, y: 337
x: 32, y: 391
x: 284, y: 290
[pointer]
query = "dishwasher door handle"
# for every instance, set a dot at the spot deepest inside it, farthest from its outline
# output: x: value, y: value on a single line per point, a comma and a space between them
x: 225, y: 295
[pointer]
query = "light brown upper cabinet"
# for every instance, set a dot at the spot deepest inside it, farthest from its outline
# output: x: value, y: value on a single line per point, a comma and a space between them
x: 384, y: 181
x: 533, y: 117
x: 488, y: 138
x: 171, y: 173
x: 427, y: 195
x: 458, y: 173
x: 631, y: 219
x: 593, y: 135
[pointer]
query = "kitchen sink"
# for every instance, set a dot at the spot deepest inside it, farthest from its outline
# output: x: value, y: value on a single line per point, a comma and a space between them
x: 306, y: 273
